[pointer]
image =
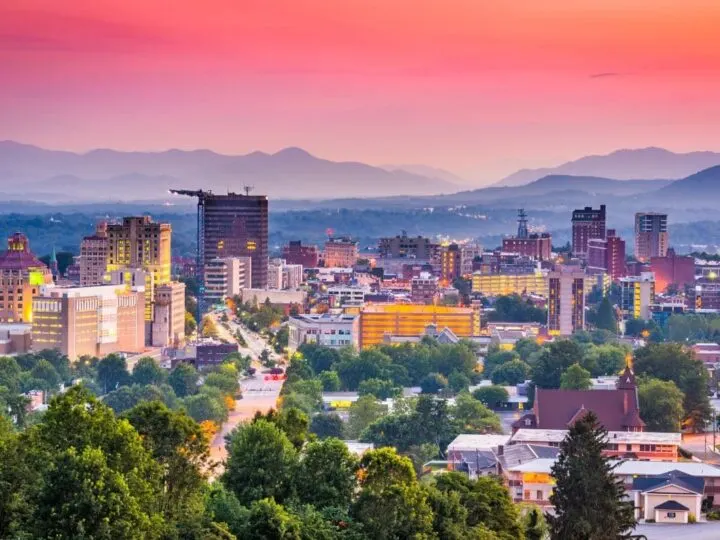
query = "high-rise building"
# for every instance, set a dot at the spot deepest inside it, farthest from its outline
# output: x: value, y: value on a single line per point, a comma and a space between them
x: 402, y: 246
x: 637, y: 294
x: 168, y: 328
x: 537, y: 246
x: 707, y: 293
x: 226, y: 278
x: 340, y: 252
x: 651, y: 235
x: 94, y: 255
x: 468, y: 254
x: 292, y: 276
x: 21, y: 275
x: 237, y: 226
x: 607, y: 255
x: 672, y: 269
x: 411, y: 320
x: 587, y: 223
x: 450, y: 262
x: 93, y: 321
x: 295, y: 253
x: 566, y: 301
x: 141, y: 243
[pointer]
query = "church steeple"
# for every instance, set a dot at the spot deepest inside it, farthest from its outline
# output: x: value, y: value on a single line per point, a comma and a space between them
x: 627, y: 379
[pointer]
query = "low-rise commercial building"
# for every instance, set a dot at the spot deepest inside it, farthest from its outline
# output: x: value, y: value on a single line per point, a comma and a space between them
x: 226, y: 278
x: 334, y: 331
x: 637, y: 294
x: 340, y: 252
x: 15, y: 338
x: 504, y: 284
x: 168, y: 326
x: 379, y: 320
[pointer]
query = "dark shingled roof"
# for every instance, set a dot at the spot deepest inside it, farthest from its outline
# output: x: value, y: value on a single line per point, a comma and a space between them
x: 671, y: 505
x: 685, y: 481
x: 517, y: 454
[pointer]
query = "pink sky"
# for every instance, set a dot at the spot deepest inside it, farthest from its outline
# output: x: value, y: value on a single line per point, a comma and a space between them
x: 478, y: 88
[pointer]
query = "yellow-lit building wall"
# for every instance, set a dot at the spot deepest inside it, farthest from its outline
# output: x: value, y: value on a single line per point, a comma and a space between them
x: 505, y: 284
x: 412, y: 320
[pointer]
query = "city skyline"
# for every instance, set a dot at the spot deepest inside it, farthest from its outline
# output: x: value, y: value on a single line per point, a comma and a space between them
x: 479, y: 90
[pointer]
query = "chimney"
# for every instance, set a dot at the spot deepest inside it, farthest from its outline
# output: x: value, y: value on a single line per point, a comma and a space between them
x: 500, y: 449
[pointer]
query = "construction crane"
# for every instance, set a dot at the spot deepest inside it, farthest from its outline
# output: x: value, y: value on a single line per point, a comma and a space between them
x: 200, y: 256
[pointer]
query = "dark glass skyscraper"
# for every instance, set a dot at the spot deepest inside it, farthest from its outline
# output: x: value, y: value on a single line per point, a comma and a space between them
x: 237, y: 226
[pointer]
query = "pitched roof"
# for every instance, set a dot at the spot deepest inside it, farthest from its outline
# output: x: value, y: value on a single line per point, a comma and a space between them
x: 671, y: 505
x: 559, y: 409
x: 518, y: 454
x: 695, y: 484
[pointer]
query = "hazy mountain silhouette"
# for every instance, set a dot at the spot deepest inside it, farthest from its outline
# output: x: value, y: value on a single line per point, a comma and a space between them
x: 702, y: 188
x: 430, y: 172
x: 289, y: 173
x: 623, y: 165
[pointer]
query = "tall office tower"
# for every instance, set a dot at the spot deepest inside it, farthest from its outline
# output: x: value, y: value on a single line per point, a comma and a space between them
x: 140, y: 243
x: 295, y: 253
x: 566, y: 301
x: 94, y: 253
x: 236, y: 225
x: 450, y: 262
x: 607, y: 256
x: 401, y: 246
x: 168, y: 328
x: 636, y: 295
x: 340, y: 252
x: 587, y: 223
x: 537, y: 246
x: 651, y: 235
x: 21, y: 275
x: 93, y: 321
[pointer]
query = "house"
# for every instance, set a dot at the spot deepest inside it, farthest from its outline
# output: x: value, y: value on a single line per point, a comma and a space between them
x: 617, y: 410
x: 475, y: 454
x: 638, y: 445
x: 668, y: 498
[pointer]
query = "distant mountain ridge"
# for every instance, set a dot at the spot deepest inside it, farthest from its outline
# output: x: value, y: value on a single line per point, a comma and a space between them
x: 289, y: 173
x: 623, y: 165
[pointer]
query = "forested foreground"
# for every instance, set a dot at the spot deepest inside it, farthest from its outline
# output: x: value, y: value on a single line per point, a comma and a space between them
x: 82, y: 472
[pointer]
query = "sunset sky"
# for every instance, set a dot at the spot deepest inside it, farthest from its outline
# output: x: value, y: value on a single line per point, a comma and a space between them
x: 479, y: 87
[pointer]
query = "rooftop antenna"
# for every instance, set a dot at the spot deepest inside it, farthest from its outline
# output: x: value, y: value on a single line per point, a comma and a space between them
x: 248, y: 189
x: 522, y: 224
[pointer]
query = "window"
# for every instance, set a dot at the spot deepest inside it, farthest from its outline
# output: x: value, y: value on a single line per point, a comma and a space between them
x: 671, y: 514
x: 526, y: 495
x: 539, y: 495
x: 628, y: 447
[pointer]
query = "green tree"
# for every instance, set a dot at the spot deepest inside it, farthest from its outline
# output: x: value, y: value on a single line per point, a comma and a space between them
x: 390, y: 504
x: 223, y: 507
x: 330, y: 381
x: 487, y: 503
x: 190, y: 324
x: 672, y: 362
x: 327, y: 425
x: 472, y: 416
x: 319, y: 358
x: 10, y: 374
x: 270, y: 520
x: 458, y: 382
x: 179, y: 445
x: 661, y: 403
x: 95, y: 477
x: 326, y: 474
x: 369, y: 364
x: 512, y: 308
x: 497, y: 358
x: 433, y: 383
x: 491, y: 396
x: 147, y: 371
x: 226, y: 383
x: 607, y: 359
x: 381, y: 389
x: 112, y: 372
x: 362, y: 413
x: 511, y: 373
x: 208, y: 328
x: 606, y: 319
x: 585, y: 480
x: 575, y: 378
x: 553, y: 361
x: 44, y: 371
x: 184, y: 380
x: 534, y: 523
x: 261, y: 461
x: 525, y: 347
x: 122, y: 399
x: 203, y: 406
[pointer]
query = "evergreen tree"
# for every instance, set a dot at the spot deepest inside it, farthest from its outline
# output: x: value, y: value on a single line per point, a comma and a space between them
x: 588, y: 498
x: 606, y: 316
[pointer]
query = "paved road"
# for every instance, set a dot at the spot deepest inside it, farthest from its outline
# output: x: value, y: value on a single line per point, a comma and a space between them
x: 700, y: 445
x: 665, y: 531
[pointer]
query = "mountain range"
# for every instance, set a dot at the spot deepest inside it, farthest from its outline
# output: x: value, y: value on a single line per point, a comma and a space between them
x: 109, y: 174
x: 623, y: 165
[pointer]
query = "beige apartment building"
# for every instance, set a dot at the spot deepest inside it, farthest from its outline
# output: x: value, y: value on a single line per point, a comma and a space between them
x: 94, y: 253
x: 94, y: 321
